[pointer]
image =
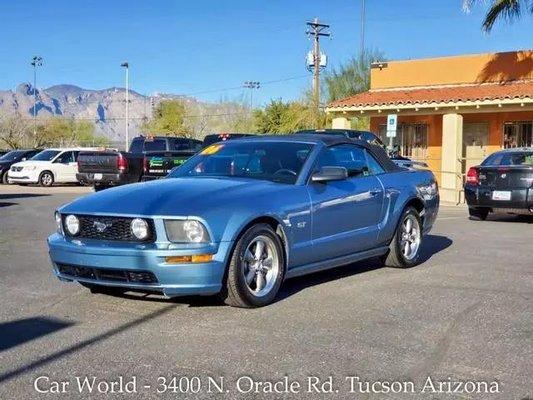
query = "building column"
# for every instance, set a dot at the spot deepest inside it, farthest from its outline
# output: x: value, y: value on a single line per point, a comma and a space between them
x: 452, y: 152
x: 341, y: 123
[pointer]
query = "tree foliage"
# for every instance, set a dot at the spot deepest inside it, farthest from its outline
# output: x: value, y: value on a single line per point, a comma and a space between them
x: 169, y: 118
x: 280, y: 117
x: 509, y: 10
x: 351, y: 77
x: 17, y: 132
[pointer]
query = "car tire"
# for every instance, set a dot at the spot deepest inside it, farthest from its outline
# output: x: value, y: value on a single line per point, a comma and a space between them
x: 4, y: 178
x: 46, y: 179
x: 256, y: 269
x: 478, y: 214
x: 404, y: 249
x: 98, y: 188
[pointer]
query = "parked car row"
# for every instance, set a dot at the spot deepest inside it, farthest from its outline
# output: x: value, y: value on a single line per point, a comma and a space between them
x: 13, y: 157
x: 149, y: 158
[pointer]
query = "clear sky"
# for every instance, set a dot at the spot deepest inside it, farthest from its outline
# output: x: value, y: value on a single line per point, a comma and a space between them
x: 198, y: 47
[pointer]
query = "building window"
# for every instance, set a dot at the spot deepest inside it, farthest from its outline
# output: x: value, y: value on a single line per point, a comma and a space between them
x: 518, y: 134
x: 411, y: 139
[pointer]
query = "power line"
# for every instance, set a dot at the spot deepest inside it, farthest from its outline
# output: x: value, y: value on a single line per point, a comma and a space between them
x: 241, y: 86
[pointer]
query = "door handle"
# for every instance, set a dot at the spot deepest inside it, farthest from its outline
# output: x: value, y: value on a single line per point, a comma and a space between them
x: 375, y: 192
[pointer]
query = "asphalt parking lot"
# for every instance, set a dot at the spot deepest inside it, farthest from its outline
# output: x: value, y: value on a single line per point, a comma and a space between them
x: 466, y: 313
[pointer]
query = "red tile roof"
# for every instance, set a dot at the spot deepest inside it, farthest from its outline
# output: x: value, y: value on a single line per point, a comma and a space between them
x: 443, y: 94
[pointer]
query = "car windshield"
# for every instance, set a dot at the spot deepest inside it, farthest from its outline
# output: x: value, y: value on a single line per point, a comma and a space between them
x: 266, y: 160
x: 45, y: 155
x: 155, y: 145
x: 12, y: 155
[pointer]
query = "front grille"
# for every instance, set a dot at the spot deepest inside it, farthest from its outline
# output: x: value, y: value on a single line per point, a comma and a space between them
x: 110, y: 228
x: 105, y: 274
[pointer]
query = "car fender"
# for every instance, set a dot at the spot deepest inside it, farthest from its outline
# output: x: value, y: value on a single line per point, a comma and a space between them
x: 238, y: 223
x: 396, y: 199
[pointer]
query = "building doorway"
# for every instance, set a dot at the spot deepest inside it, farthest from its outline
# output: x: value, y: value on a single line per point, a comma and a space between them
x: 411, y: 140
x: 475, y: 142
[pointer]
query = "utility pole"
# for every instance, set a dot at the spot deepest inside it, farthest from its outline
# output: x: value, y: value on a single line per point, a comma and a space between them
x: 36, y: 61
x: 126, y: 65
x: 317, y: 30
x: 252, y: 85
x: 362, y: 51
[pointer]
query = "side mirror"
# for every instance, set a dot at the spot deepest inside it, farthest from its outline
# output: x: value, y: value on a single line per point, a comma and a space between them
x: 327, y: 174
x: 23, y: 159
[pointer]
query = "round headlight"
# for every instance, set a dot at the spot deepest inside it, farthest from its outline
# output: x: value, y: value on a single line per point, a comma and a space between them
x: 72, y: 223
x: 57, y: 217
x: 139, y: 228
x: 194, y: 231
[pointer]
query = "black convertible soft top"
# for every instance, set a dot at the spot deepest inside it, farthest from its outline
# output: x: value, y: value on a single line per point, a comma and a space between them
x: 332, y: 140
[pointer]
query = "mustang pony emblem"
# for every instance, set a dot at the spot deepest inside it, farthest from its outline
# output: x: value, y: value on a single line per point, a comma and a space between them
x: 101, y: 226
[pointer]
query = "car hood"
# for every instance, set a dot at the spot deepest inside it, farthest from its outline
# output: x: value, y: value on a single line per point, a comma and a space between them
x: 174, y: 197
x: 4, y: 164
x: 31, y: 162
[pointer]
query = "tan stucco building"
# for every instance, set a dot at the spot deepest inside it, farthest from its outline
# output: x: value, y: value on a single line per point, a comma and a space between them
x: 452, y: 111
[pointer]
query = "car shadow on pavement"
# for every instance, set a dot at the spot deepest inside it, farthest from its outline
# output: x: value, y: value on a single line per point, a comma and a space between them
x: 432, y: 244
x: 10, y: 196
x: 510, y: 218
x: 191, y: 301
x: 21, y: 331
x: 81, y: 344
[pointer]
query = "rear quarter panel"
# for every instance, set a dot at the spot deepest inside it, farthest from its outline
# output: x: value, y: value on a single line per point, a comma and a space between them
x: 401, y: 188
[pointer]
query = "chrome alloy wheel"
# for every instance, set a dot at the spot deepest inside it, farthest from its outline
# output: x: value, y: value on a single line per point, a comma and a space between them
x: 47, y: 179
x: 261, y: 265
x: 410, y: 237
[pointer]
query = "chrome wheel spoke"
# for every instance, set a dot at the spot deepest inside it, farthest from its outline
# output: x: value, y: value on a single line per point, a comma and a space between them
x: 260, y: 281
x: 259, y: 247
x: 250, y: 275
x: 267, y: 262
x: 408, y: 225
x: 248, y: 256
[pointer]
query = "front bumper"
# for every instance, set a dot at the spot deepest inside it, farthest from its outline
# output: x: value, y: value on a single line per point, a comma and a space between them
x: 22, y: 176
x: 171, y: 279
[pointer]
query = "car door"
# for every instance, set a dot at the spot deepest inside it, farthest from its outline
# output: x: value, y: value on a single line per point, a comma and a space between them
x: 345, y: 213
x: 65, y: 167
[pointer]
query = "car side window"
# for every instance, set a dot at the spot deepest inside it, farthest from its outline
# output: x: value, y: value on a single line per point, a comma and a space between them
x: 182, y: 144
x: 374, y: 168
x: 137, y: 145
x: 493, y: 160
x: 65, y: 158
x: 351, y: 157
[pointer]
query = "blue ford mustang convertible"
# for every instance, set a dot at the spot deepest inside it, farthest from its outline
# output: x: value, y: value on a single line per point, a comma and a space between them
x: 241, y: 216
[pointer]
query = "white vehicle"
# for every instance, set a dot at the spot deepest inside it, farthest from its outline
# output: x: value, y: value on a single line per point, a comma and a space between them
x: 47, y: 167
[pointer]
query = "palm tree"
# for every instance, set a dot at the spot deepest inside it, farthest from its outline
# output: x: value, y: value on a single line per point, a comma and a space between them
x: 501, y: 9
x: 352, y: 77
